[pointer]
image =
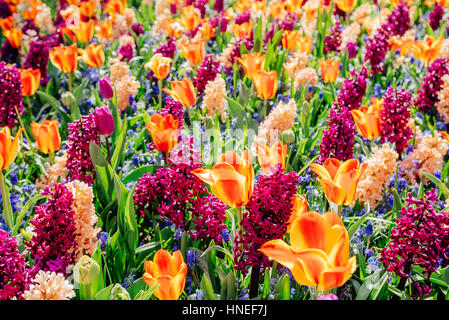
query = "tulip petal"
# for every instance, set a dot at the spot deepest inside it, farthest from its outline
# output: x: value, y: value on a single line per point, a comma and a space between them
x: 309, y: 231
x: 279, y: 251
x: 332, y: 165
x: 205, y: 175
x: 336, y: 277
x: 164, y: 264
x: 320, y: 171
x: 333, y: 192
x: 311, y: 263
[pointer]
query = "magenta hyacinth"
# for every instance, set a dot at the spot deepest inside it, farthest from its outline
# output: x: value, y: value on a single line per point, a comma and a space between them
x: 395, y: 115
x: 338, y: 139
x: 352, y: 90
x: 333, y: 41
x: 176, y: 109
x: 427, y: 97
x: 421, y: 238
x: 126, y: 52
x: 53, y: 244
x: 266, y: 217
x: 167, y: 49
x: 435, y: 16
x: 243, y: 17
x: 10, y: 95
x: 207, y: 71
x: 14, y: 276
x: 377, y: 48
x: 399, y: 20
x: 79, y: 163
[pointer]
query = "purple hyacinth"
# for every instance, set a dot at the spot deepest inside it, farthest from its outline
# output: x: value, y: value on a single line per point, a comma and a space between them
x: 219, y: 5
x: 333, y: 41
x: 53, y: 244
x: 338, y: 139
x: 37, y: 58
x: 5, y: 11
x: 421, y: 238
x: 288, y: 23
x: 207, y: 71
x: 10, y: 95
x: 435, y: 16
x: 14, y: 275
x: 79, y: 162
x: 352, y: 90
x: 126, y: 51
x: 266, y: 217
x: 376, y: 49
x: 243, y: 17
x: 8, y: 53
x: 427, y: 97
x: 395, y: 115
x: 167, y: 49
x: 137, y: 28
x: 399, y: 20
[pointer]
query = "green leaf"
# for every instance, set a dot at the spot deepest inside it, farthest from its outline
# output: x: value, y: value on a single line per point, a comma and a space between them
x: 147, y: 294
x: 356, y: 225
x: 56, y: 105
x: 24, y: 210
x: 138, y: 173
x: 219, y: 248
x: 230, y: 284
x: 147, y: 246
x: 266, y: 284
x: 441, y: 185
x: 105, y: 293
x: 206, y: 287
x: 119, y: 146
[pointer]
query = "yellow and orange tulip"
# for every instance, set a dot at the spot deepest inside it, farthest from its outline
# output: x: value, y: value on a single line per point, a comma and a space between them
x: 207, y: 31
x: 243, y: 30
x: 270, y: 157
x: 64, y: 58
x: 104, y: 28
x: 93, y: 55
x: 339, y: 180
x: 114, y: 7
x: 329, y: 69
x: 445, y: 135
x: 84, y: 31
x: 401, y: 43
x: 427, y: 50
x: 169, y: 272
x: 367, y: 119
x: 175, y: 28
x: 87, y: 9
x: 164, y: 131
x: 305, y: 45
x: 300, y: 206
x: 193, y: 52
x: 8, y: 148
x: 14, y: 37
x: 266, y: 83
x: 66, y: 32
x: 231, y: 179
x: 30, y: 79
x: 160, y: 65
x: 182, y: 91
x: 251, y: 63
x: 7, y: 23
x: 319, y: 251
x: 47, y: 136
x: 190, y: 17
x: 346, y: 5
x: 290, y: 39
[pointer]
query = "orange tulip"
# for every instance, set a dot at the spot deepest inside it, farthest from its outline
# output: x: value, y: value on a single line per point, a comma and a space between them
x: 270, y: 157
x: 329, y: 69
x: 174, y: 28
x: 169, y: 271
x: 87, y: 9
x: 276, y: 9
x: 290, y: 39
x: 190, y: 17
x: 8, y: 148
x: 266, y: 83
x: 231, y: 179
x: 367, y: 119
x: 14, y: 37
x: 305, y: 45
x: 104, y: 28
x: 207, y: 31
x: 445, y: 135
x: 194, y: 52
x: 114, y: 7
x: 47, y: 136
x: 160, y: 65
x: 242, y: 30
x: 300, y: 206
x: 252, y: 62
x: 404, y: 44
x: 319, y: 251
x: 183, y: 91
x: 164, y: 131
x: 339, y: 180
x: 30, y: 79
x: 84, y: 30
x: 64, y: 58
x: 6, y: 23
x: 346, y: 5
x: 427, y: 50
x: 93, y: 55
x: 30, y: 14
x: 66, y: 32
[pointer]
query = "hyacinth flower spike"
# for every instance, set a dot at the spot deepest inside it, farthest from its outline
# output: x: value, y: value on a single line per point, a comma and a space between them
x: 8, y: 153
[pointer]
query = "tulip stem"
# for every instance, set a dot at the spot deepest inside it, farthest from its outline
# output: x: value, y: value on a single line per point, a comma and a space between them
x: 340, y: 207
x: 87, y: 287
x: 160, y: 93
x: 24, y: 130
x: 51, y: 156
x: 7, y: 214
x: 108, y: 149
x: 265, y: 107
x: 70, y: 82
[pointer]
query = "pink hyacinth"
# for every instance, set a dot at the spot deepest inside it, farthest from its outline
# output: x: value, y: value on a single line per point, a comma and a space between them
x: 10, y: 95
x: 37, y: 58
x: 79, y: 163
x: 352, y: 90
x: 399, y: 20
x: 14, y: 275
x: 333, y: 41
x: 395, y: 115
x: 266, y: 217
x: 338, y: 139
x: 53, y: 244
x: 376, y: 49
x: 420, y: 238
x: 207, y: 71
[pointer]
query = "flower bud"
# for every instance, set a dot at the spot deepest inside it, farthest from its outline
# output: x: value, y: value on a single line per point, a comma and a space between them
x: 288, y: 136
x: 106, y: 89
x: 104, y: 120
x: 119, y: 293
x: 86, y: 270
x: 67, y: 98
